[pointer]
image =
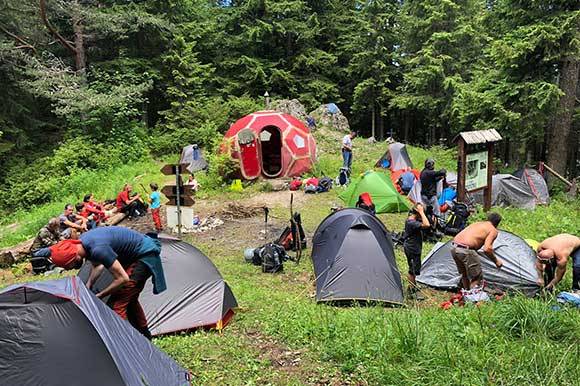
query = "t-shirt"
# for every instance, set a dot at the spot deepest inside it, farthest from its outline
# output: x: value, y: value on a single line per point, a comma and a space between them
x: 106, y: 244
x: 413, y: 236
x: 155, y: 200
x: 429, y: 180
x: 347, y: 142
x: 72, y: 218
x: 122, y: 198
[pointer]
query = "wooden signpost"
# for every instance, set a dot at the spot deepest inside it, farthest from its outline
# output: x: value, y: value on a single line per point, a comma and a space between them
x: 178, y: 194
x: 475, y: 163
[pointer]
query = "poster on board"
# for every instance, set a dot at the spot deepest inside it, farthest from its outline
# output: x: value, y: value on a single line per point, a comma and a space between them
x: 476, y: 173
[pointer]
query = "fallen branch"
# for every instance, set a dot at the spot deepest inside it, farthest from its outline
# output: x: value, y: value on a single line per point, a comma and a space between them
x: 24, y: 43
x: 555, y: 173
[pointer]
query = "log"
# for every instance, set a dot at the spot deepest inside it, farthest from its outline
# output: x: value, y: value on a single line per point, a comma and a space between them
x: 558, y: 175
x: 116, y: 218
x: 11, y: 255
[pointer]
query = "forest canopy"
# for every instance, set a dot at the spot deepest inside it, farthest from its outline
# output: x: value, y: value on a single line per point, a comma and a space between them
x: 90, y: 84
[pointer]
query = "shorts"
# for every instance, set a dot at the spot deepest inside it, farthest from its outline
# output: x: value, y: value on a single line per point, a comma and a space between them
x: 468, y: 262
x: 414, y: 261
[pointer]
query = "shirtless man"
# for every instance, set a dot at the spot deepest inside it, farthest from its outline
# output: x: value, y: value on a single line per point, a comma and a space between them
x: 554, y: 253
x: 467, y: 242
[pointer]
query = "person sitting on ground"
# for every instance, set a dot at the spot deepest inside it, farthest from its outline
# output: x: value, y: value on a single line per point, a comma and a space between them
x: 130, y: 204
x: 193, y: 182
x: 71, y: 223
x: 94, y: 208
x: 406, y: 181
x: 47, y: 236
x: 81, y: 211
x: 553, y: 255
x: 413, y: 246
x: 130, y: 257
x: 429, y: 179
x: 155, y: 199
x: 466, y: 244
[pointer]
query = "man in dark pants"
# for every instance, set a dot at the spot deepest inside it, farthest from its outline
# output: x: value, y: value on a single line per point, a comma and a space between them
x: 553, y: 255
x: 466, y: 244
x: 429, y: 179
x: 130, y: 257
x: 413, y: 245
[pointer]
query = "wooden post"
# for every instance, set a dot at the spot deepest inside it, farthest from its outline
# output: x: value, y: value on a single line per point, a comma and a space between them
x: 461, y: 158
x: 487, y: 191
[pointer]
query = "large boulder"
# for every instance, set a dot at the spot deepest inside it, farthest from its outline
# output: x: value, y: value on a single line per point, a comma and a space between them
x: 291, y: 107
x: 330, y: 117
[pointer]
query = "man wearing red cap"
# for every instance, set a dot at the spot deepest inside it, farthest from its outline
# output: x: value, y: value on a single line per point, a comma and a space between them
x: 130, y: 257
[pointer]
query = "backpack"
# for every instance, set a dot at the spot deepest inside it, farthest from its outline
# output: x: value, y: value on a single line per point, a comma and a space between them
x: 295, y: 185
x: 273, y: 257
x: 41, y: 265
x: 457, y: 220
x: 342, y: 178
x: 289, y: 237
x: 310, y: 189
x: 324, y: 184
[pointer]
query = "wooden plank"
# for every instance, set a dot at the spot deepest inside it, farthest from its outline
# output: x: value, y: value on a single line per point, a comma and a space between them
x: 171, y: 190
x: 487, y: 191
x: 171, y: 169
x: 116, y: 218
x: 184, y: 201
x: 461, y: 157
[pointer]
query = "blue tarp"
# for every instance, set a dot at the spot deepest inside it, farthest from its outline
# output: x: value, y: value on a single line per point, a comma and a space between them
x: 332, y: 108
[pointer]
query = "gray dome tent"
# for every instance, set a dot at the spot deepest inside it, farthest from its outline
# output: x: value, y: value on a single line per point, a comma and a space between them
x: 536, y: 183
x: 508, y: 190
x: 57, y: 333
x: 517, y: 274
x: 397, y: 156
x: 354, y: 259
x: 196, y: 297
x: 191, y: 156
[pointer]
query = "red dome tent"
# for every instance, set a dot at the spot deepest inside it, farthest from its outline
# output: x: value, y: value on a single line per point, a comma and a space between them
x: 271, y: 144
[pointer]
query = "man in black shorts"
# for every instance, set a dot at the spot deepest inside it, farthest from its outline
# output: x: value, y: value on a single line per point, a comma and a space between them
x: 413, y: 246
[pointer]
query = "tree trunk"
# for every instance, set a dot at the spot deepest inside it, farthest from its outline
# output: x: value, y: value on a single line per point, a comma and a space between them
x: 373, y: 122
x: 559, y: 140
x: 80, y: 56
x: 407, y: 127
x: 381, y: 124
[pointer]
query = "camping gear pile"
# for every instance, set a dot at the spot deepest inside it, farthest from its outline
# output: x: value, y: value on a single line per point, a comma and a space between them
x: 270, y: 144
x: 312, y: 185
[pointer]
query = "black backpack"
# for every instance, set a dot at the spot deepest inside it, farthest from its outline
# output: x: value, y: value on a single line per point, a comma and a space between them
x: 457, y: 220
x: 273, y: 257
x: 324, y: 184
x: 343, y: 175
x: 289, y: 237
x: 41, y: 265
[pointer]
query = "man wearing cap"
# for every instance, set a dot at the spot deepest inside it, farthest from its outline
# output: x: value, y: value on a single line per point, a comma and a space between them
x: 130, y: 257
x: 429, y: 179
x: 553, y: 255
x: 465, y: 245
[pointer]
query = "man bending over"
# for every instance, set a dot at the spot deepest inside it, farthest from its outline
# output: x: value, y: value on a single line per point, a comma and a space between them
x: 553, y: 254
x: 466, y: 244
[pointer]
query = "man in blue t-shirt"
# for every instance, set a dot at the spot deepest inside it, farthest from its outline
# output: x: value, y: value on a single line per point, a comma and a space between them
x: 130, y: 257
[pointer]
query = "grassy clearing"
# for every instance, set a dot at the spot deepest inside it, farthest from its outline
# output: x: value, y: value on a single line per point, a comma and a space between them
x: 280, y: 336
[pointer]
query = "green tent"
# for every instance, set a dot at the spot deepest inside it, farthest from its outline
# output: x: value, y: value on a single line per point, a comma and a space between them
x: 383, y: 192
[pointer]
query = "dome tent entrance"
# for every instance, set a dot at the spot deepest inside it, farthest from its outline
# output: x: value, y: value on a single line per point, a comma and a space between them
x: 271, y: 144
x: 196, y: 297
x: 57, y: 333
x: 354, y: 259
x: 517, y: 274
x: 383, y: 192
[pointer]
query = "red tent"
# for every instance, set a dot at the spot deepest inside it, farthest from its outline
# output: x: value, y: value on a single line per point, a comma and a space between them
x: 271, y: 144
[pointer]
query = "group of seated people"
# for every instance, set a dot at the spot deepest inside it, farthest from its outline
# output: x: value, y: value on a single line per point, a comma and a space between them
x: 85, y: 216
